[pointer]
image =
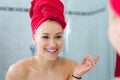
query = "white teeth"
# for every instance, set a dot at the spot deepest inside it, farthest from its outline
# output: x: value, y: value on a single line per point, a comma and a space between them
x: 51, y: 51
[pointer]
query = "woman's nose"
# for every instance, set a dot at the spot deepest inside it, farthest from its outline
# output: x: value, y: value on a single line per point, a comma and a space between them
x: 52, y: 43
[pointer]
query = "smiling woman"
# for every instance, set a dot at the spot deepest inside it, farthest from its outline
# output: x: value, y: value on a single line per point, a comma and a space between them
x: 48, y: 26
x: 114, y: 32
x: 49, y: 39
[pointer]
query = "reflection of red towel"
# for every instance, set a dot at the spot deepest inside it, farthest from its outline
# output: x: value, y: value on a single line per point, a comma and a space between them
x: 42, y: 10
x: 115, y: 4
x: 117, y: 69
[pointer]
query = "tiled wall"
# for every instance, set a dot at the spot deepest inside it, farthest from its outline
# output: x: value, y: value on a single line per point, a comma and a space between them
x: 15, y: 34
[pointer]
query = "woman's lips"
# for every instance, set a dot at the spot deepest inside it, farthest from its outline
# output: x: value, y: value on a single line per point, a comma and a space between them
x: 51, y: 50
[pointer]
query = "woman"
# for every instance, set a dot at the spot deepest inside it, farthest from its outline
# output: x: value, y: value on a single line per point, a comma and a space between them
x: 48, y: 25
x: 114, y: 32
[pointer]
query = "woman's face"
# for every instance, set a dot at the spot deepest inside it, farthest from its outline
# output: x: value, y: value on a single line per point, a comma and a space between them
x: 49, y: 39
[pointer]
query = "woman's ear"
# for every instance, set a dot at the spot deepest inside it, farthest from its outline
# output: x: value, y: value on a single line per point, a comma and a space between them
x: 33, y: 40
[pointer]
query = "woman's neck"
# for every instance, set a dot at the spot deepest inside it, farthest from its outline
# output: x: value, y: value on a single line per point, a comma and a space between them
x: 45, y: 64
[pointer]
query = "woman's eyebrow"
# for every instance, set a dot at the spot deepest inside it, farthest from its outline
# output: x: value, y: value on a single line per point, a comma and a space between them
x: 45, y: 33
x: 59, y: 33
x: 56, y: 33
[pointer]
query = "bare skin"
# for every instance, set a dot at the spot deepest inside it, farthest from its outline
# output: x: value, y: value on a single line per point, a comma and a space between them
x: 117, y: 78
x: 47, y: 65
x: 30, y: 69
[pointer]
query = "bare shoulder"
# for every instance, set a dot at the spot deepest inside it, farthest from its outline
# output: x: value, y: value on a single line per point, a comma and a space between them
x: 69, y: 66
x: 18, y: 70
x: 69, y: 61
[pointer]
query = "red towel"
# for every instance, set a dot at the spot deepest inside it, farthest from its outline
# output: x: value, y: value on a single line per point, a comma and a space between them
x: 117, y: 68
x: 42, y: 10
x: 115, y: 4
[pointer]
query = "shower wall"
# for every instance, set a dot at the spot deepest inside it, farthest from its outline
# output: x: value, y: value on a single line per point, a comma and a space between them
x: 15, y: 33
x: 86, y: 33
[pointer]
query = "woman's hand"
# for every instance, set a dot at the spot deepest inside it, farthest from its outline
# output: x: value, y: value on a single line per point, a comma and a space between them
x: 87, y: 64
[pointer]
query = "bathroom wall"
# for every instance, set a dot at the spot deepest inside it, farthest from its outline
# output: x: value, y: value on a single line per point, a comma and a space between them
x: 15, y: 33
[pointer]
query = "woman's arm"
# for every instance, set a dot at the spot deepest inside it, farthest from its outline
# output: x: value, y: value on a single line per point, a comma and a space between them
x: 80, y: 69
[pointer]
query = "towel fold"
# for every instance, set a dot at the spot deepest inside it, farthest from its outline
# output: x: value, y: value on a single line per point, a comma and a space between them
x: 115, y: 5
x: 42, y: 10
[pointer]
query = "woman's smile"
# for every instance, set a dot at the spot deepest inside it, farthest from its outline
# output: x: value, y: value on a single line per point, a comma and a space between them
x: 51, y: 51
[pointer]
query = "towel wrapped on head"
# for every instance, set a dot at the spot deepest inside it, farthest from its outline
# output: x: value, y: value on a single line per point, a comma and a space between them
x: 42, y: 10
x: 115, y: 5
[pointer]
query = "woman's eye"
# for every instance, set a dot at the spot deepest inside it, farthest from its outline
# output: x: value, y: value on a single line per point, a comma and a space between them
x: 45, y: 37
x: 58, y: 37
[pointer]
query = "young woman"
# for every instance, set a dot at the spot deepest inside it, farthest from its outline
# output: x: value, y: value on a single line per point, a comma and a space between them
x: 114, y: 23
x: 114, y: 32
x: 47, y: 29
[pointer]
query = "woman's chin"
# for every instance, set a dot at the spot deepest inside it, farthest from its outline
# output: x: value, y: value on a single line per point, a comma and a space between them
x: 117, y: 78
x: 118, y: 50
x: 52, y: 58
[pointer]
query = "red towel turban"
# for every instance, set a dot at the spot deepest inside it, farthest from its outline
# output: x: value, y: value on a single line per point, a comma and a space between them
x: 42, y: 10
x: 115, y: 4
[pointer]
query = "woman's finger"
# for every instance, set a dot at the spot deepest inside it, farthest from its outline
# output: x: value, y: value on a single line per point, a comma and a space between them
x: 84, y: 60
x: 96, y: 59
x: 90, y: 58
